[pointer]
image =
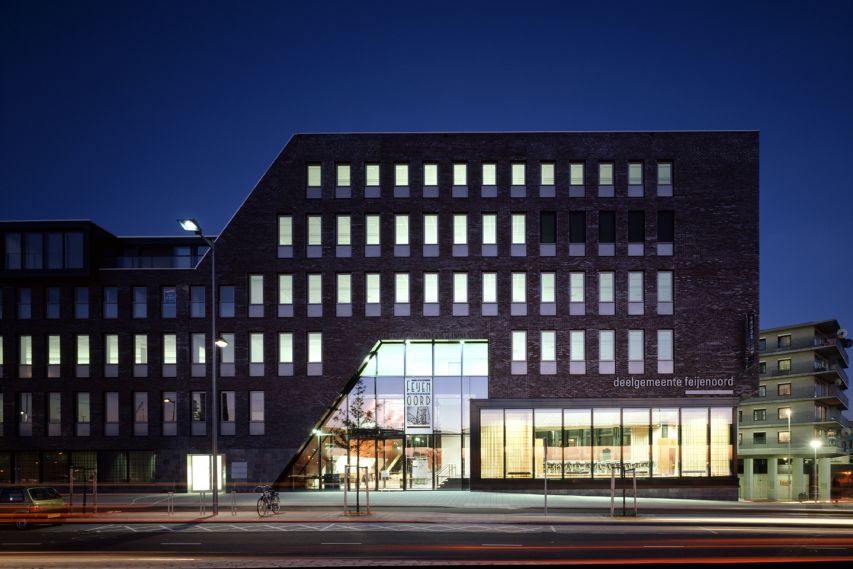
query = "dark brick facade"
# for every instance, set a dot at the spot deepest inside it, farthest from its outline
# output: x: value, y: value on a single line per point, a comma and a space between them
x: 715, y: 264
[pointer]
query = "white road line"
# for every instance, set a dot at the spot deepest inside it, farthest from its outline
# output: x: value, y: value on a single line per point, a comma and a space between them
x: 663, y: 546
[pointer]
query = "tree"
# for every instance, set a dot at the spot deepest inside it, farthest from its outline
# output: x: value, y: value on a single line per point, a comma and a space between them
x: 359, y: 421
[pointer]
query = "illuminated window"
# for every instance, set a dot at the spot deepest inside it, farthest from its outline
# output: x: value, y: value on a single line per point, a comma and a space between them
x: 665, y: 351
x: 635, y: 173
x: 546, y: 170
x: 315, y: 347
x: 256, y: 348
x: 759, y: 414
x: 401, y: 175
x: 285, y: 348
x: 343, y: 175
x: 315, y: 233
x: 111, y: 349
x: 547, y: 293
x: 401, y: 229
x: 371, y: 175
x: 605, y: 174
x: 576, y: 287
x: 285, y: 289
x: 490, y: 230
x: 605, y: 287
x: 460, y: 229
x: 430, y: 229
x: 54, y: 353
x: 783, y: 437
x: 784, y: 366
x: 518, y: 174
x: 430, y: 174
x: 198, y: 345
x: 694, y: 442
x: 314, y: 175
x: 784, y: 413
x: 26, y: 351
x: 635, y: 346
x: 548, y: 343
x: 460, y: 288
x: 343, y: 233
x: 490, y: 287
x: 492, y: 448
x: 784, y: 389
x: 489, y: 174
x: 82, y: 350
x: 256, y: 289
x: 344, y: 288
x: 371, y: 227
x: 576, y: 174
x: 519, y: 228
x: 430, y: 288
x: 519, y: 346
x: 577, y: 350
x: 315, y: 289
x: 664, y: 173
x: 285, y: 230
x: 373, y: 289
x: 607, y: 346
x: 519, y: 288
x: 170, y: 349
x: 401, y: 288
x: 460, y: 174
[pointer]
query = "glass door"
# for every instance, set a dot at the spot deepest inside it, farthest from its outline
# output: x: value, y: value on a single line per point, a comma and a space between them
x: 390, y: 463
x: 419, y: 462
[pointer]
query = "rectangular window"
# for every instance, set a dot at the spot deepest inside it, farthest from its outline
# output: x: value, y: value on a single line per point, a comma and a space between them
x: 460, y: 229
x: 169, y: 303
x: 635, y: 173
x: 490, y: 229
x: 519, y: 346
x: 519, y: 228
x: 576, y: 174
x: 371, y: 228
x: 314, y: 175
x: 25, y: 408
x: 607, y: 227
x: 605, y: 287
x: 430, y: 174
x: 140, y: 302
x: 110, y: 302
x: 636, y: 227
x: 54, y: 353
x: 518, y: 174
x: 33, y: 251
x: 635, y: 346
x: 664, y: 286
x: 783, y: 437
x: 784, y: 389
x: 373, y: 291
x: 490, y: 176
x: 81, y: 302
x: 315, y: 230
x: 519, y: 287
x: 664, y: 173
x: 577, y: 227
x: 460, y: 288
x: 430, y: 229
x: 256, y: 289
x: 256, y: 406
x: 759, y: 438
x: 13, y: 251
x: 635, y: 286
x: 401, y: 229
x: 344, y: 231
x: 783, y: 413
x: 460, y: 174
x: 315, y: 347
x: 783, y: 342
x: 111, y: 349
x: 576, y: 287
x: 547, y: 227
x: 343, y: 175
x: 198, y: 408
x: 83, y: 350
x: 344, y: 288
x: 25, y: 303
x: 607, y: 345
x: 285, y: 289
x: 784, y: 365
x: 199, y: 348
x: 548, y: 286
x: 54, y: 408
x: 577, y: 342
x: 546, y: 170
x: 371, y: 175
x: 285, y: 348
x: 54, y: 251
x: 170, y: 411
x: 111, y: 408
x: 285, y: 231
x: 665, y: 351
x: 197, y: 302
x: 401, y: 175
x: 401, y: 288
x: 52, y: 306
x: 227, y: 353
x: 549, y: 345
x: 227, y: 408
x: 431, y: 288
x: 26, y: 351
x: 83, y: 408
x: 315, y: 289
x: 140, y: 407
x: 605, y: 174
x: 490, y: 287
x: 170, y: 349
x: 666, y: 226
x: 256, y: 348
x: 226, y: 302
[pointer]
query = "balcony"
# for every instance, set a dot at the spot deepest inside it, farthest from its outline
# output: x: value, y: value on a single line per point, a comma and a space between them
x: 826, y: 345
x: 816, y: 368
x: 831, y: 395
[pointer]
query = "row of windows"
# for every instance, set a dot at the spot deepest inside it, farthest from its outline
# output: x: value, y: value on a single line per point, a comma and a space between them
x: 457, y: 282
x: 83, y: 407
x: 517, y: 176
x: 634, y: 232
x: 575, y: 340
x: 36, y: 250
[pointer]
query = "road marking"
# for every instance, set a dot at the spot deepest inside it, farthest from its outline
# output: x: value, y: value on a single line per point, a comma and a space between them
x: 181, y: 543
x: 340, y: 543
x: 663, y: 546
x: 501, y: 545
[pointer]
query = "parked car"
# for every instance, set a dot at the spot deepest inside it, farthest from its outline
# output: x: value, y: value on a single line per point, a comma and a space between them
x: 24, y: 505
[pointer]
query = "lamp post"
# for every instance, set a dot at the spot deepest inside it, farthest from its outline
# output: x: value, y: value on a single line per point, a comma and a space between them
x: 790, y: 463
x: 319, y: 434
x: 193, y: 226
x: 816, y: 444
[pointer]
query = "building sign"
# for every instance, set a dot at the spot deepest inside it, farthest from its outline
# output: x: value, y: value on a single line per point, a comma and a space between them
x: 418, y: 395
x: 693, y: 385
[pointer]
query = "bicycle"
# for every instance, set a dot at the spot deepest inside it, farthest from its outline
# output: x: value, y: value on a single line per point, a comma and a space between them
x: 268, y: 502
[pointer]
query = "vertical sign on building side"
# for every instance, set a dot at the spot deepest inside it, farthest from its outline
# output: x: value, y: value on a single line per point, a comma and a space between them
x: 749, y: 339
x: 418, y: 395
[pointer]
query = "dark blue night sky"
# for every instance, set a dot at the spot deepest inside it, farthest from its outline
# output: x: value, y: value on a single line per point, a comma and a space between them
x: 135, y: 113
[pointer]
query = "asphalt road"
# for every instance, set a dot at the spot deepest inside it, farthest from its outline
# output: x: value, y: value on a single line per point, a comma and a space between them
x: 312, y: 544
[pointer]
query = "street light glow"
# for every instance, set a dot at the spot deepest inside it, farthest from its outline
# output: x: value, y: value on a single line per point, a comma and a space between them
x: 189, y: 225
x: 221, y: 342
x: 815, y: 444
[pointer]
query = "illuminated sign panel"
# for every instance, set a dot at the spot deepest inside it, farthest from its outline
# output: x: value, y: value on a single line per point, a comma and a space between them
x: 418, y: 405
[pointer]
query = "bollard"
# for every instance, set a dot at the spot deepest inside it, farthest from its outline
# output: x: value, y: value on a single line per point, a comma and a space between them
x: 170, y: 504
x: 233, y: 502
x: 612, y: 492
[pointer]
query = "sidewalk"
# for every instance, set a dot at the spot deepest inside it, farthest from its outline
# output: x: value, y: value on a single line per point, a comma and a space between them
x: 453, y: 507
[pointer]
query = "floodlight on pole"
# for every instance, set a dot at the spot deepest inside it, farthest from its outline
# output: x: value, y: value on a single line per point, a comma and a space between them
x: 790, y: 460
x: 190, y: 224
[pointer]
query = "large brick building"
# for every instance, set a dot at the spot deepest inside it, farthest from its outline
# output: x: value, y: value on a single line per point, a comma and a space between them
x: 484, y: 294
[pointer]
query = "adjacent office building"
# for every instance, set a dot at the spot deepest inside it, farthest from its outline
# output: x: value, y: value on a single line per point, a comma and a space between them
x: 462, y: 310
x: 797, y: 414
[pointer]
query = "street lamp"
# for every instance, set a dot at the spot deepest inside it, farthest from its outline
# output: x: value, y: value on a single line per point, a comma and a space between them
x: 816, y: 444
x: 193, y: 226
x: 790, y: 463
x: 319, y: 434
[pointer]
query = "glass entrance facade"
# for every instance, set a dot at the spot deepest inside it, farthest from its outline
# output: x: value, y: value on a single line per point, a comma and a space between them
x: 406, y: 418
